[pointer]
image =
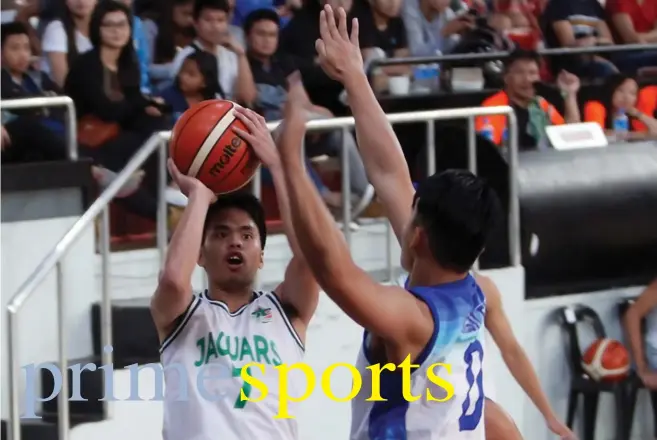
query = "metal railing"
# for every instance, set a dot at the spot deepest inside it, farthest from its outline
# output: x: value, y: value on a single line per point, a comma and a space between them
x: 159, y: 140
x: 52, y: 101
x: 487, y: 56
x: 54, y: 260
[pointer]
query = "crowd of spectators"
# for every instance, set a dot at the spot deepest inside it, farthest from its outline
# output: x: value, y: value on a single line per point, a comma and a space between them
x: 133, y: 69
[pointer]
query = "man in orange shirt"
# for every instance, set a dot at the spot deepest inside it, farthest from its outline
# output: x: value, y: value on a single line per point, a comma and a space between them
x: 534, y: 113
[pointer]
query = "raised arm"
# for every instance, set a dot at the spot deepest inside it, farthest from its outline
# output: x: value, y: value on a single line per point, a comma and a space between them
x: 299, y: 288
x: 174, y: 291
x: 388, y: 312
x: 382, y: 155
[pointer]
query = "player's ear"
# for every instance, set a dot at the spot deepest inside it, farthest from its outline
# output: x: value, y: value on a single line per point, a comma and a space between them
x: 262, y: 259
x: 416, y: 239
x: 201, y: 260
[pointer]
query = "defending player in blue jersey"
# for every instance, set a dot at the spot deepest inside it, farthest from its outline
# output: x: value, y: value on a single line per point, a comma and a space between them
x: 439, y: 316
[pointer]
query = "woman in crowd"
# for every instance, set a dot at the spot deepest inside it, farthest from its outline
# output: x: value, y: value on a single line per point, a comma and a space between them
x: 172, y: 30
x: 64, y: 39
x: 617, y: 111
x: 115, y: 119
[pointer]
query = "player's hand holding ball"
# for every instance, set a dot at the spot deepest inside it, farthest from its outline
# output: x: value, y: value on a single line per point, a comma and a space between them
x: 257, y: 136
x: 189, y: 186
x: 339, y: 54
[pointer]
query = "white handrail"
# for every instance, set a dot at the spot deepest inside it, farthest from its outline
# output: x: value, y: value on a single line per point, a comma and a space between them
x: 52, y: 101
x: 100, y: 206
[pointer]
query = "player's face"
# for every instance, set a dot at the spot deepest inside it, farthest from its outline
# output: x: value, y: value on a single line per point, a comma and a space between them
x: 115, y: 30
x: 212, y: 26
x: 231, y: 252
x: 16, y: 53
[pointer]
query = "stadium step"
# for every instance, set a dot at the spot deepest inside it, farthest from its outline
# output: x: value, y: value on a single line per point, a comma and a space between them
x: 129, y: 319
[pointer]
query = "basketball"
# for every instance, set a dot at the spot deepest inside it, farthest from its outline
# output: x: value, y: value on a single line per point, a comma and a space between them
x: 204, y: 145
x: 606, y: 360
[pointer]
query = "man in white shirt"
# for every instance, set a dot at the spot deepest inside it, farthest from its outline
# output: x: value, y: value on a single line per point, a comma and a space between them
x: 213, y: 36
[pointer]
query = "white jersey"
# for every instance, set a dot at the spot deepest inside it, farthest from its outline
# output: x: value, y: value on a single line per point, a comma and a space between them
x: 203, y: 358
x: 458, y: 310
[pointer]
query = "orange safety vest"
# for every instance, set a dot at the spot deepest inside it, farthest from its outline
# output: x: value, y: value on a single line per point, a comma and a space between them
x: 647, y: 104
x: 498, y: 122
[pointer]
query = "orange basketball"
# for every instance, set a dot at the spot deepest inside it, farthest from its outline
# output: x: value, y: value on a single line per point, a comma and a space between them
x: 204, y: 145
x: 606, y: 360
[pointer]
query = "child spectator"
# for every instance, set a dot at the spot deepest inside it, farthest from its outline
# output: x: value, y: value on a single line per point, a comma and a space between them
x: 212, y: 35
x: 619, y: 100
x: 65, y: 38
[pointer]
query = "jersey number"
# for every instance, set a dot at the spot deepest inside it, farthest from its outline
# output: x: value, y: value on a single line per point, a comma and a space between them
x: 246, y: 388
x: 473, y: 409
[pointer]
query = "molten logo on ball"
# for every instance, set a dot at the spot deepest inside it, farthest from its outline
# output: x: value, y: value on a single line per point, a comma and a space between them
x: 229, y: 152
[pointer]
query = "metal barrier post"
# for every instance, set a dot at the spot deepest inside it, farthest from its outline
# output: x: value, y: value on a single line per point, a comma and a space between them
x: 514, y: 200
x: 52, y: 101
x: 472, y: 159
x: 162, y: 217
x: 346, y: 188
x: 14, y: 378
x: 62, y: 398
x: 431, y: 147
x: 106, y: 304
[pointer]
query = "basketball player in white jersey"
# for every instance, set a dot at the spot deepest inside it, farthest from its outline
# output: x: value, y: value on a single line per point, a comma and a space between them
x: 385, y: 164
x: 206, y: 338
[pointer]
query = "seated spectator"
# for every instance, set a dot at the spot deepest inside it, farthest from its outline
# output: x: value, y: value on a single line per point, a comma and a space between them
x: 381, y: 34
x: 141, y: 48
x: 432, y: 27
x: 196, y: 82
x: 234, y: 74
x: 616, y: 111
x: 634, y: 21
x: 115, y: 119
x: 297, y: 40
x: 644, y: 346
x: 533, y: 113
x: 581, y: 23
x: 171, y: 31
x: 65, y: 38
x: 284, y: 8
x: 272, y: 72
x: 647, y: 103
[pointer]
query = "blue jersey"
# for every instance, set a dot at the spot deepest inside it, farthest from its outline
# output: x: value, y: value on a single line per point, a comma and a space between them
x: 458, y: 311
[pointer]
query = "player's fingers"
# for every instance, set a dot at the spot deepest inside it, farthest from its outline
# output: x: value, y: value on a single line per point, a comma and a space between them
x: 248, y: 137
x: 173, y: 170
x: 246, y: 120
x: 323, y: 26
x: 330, y: 20
x: 342, y: 24
x: 320, y: 47
x: 354, y: 32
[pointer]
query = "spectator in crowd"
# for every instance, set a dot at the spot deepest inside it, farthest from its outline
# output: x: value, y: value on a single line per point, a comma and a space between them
x: 65, y: 38
x: 141, y: 48
x: 432, y: 27
x: 647, y: 102
x: 533, y: 113
x: 618, y: 103
x: 115, y: 118
x: 196, y: 82
x: 271, y: 71
x: 212, y: 35
x: 581, y: 23
x: 298, y: 40
x: 172, y: 30
x: 644, y: 346
x: 381, y: 34
x: 284, y: 8
x: 235, y: 29
x: 633, y: 21
x: 25, y: 11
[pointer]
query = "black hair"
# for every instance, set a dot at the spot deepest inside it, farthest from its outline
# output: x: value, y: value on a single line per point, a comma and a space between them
x: 611, y: 84
x: 68, y: 23
x: 457, y: 210
x: 12, y: 28
x: 519, y: 54
x: 260, y: 15
x: 128, y: 65
x: 207, y: 65
x: 165, y: 45
x: 215, y: 5
x: 244, y: 201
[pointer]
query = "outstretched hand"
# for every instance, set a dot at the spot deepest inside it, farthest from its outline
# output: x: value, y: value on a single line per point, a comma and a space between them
x: 339, y: 54
x: 257, y: 136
